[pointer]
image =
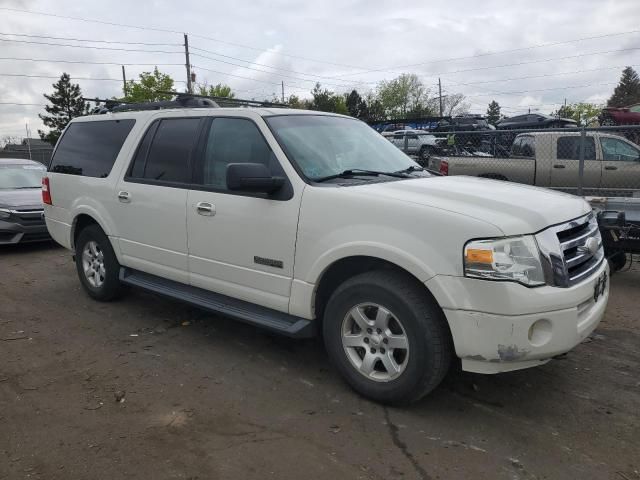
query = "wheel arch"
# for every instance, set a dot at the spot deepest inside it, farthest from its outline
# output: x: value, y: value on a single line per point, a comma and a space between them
x: 81, y: 221
x: 347, y: 267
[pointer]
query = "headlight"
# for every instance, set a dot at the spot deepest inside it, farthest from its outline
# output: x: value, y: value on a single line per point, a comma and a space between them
x: 4, y: 213
x: 515, y: 259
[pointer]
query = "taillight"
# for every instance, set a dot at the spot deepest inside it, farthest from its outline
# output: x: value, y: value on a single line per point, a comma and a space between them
x: 444, y: 167
x: 46, y: 191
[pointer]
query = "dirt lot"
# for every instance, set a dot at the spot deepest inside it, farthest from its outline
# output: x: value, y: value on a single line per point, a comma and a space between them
x: 207, y: 398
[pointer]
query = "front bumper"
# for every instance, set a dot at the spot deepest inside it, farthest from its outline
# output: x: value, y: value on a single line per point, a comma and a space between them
x: 502, y: 326
x: 12, y: 232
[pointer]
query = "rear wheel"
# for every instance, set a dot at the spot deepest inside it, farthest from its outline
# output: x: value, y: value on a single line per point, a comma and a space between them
x: 97, y: 265
x: 387, y: 337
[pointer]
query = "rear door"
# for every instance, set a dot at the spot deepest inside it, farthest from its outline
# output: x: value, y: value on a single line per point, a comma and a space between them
x: 152, y: 199
x: 620, y: 165
x: 565, y: 163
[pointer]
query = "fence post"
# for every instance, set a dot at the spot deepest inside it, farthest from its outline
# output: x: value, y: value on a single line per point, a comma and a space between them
x: 406, y: 143
x: 583, y: 144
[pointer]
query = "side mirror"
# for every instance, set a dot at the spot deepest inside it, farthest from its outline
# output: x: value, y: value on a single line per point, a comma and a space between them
x: 252, y: 177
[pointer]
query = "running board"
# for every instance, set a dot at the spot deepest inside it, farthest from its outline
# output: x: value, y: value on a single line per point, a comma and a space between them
x: 263, y: 317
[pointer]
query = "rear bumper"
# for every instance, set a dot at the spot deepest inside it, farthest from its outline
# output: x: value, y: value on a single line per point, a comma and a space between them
x: 12, y: 232
x: 499, y: 338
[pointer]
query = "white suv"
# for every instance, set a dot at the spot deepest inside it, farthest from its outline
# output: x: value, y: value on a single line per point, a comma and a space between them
x: 305, y: 223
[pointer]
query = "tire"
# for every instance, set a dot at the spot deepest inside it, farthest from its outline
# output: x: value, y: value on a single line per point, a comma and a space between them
x: 424, y: 156
x: 95, y: 255
x: 617, y: 261
x: 420, y: 367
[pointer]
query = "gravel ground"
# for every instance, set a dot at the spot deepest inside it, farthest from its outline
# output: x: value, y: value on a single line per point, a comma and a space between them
x: 148, y: 388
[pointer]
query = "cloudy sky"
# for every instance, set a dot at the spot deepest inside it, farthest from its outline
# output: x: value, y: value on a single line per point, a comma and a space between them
x: 524, y: 54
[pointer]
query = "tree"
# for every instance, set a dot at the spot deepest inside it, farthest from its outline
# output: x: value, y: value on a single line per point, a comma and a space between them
x: 627, y: 92
x: 66, y: 104
x: 493, y: 113
x: 148, y: 88
x: 586, y: 114
x: 297, y: 102
x: 375, y: 110
x: 327, y: 101
x: 218, y: 90
x: 454, y: 104
x: 404, y: 96
x: 356, y: 105
x: 10, y: 139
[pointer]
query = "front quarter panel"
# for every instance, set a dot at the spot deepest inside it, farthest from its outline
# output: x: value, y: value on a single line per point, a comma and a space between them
x: 341, y: 222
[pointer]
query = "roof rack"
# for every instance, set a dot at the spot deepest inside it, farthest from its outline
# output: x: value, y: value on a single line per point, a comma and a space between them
x: 181, y: 100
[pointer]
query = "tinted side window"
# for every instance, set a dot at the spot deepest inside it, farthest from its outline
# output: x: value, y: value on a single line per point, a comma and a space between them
x: 234, y: 140
x: 90, y: 148
x: 167, y: 157
x: 569, y: 148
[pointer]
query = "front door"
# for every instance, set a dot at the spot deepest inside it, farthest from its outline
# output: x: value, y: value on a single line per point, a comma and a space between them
x: 240, y: 244
x: 620, y: 166
x: 152, y: 200
x: 565, y: 164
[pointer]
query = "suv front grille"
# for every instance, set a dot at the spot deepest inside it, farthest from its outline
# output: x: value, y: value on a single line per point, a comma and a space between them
x: 572, y: 251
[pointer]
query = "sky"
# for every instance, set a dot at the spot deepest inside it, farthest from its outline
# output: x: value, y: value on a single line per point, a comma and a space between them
x: 573, y: 50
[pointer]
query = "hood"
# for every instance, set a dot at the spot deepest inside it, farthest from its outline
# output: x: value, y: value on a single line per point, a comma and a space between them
x: 513, y: 208
x: 21, y: 198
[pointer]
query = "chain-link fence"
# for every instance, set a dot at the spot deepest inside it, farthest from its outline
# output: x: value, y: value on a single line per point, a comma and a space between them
x: 39, y: 155
x: 602, y: 161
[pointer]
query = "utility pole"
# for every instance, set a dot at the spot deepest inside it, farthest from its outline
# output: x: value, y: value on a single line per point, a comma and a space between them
x: 26, y: 127
x: 282, y: 91
x: 188, y: 63
x: 124, y: 82
x: 440, y: 94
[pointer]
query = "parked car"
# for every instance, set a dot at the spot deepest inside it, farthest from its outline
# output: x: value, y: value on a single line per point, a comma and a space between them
x: 21, y: 212
x: 551, y: 159
x: 534, y: 121
x: 418, y: 142
x: 620, y: 116
x: 464, y: 123
x: 303, y: 222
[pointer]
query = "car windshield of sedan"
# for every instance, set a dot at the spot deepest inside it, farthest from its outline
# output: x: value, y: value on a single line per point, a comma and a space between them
x: 20, y: 176
x: 323, y: 145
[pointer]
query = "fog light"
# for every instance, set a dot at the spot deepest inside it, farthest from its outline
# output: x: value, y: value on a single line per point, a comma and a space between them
x: 540, y: 332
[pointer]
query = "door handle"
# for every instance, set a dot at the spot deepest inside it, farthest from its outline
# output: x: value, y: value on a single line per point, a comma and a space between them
x: 610, y: 167
x: 205, y: 208
x: 558, y: 166
x: 124, y: 197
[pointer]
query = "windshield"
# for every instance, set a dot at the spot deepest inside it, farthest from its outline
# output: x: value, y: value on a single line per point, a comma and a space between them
x: 325, y: 145
x: 21, y: 176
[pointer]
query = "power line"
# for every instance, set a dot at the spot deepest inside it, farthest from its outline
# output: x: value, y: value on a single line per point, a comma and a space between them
x: 84, y: 46
x: 362, y: 70
x: 541, y: 90
x: 24, y: 104
x: 265, y: 71
x: 90, y: 40
x: 72, y: 77
x: 86, y: 62
x: 498, y: 52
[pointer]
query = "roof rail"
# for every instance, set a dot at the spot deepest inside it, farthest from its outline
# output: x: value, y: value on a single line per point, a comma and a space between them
x: 227, y: 101
x: 181, y: 100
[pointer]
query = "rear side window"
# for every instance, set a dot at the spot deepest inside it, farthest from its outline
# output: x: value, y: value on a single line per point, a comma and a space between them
x: 165, y: 150
x: 90, y: 148
x: 569, y: 148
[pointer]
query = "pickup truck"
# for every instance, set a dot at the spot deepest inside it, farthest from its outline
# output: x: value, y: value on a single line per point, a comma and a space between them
x: 306, y: 223
x: 551, y: 159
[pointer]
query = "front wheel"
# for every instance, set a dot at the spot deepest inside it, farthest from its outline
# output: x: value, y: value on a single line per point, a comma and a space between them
x: 387, y: 337
x: 97, y: 265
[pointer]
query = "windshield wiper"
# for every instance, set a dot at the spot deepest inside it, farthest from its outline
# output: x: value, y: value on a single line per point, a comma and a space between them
x: 410, y: 168
x: 18, y: 188
x: 350, y: 172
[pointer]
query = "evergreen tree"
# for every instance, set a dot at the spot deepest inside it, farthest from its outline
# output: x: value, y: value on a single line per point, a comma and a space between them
x: 66, y: 103
x: 356, y: 105
x: 493, y: 113
x: 628, y: 90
